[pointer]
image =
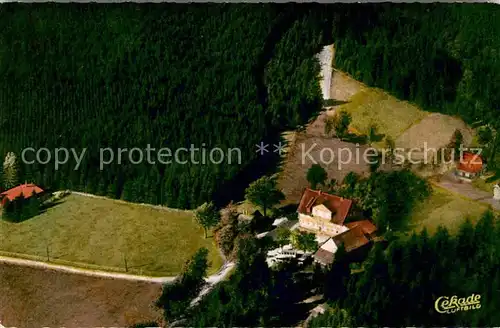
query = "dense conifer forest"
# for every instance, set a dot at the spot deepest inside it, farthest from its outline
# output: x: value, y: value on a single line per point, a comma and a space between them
x: 228, y: 76
x: 399, y: 285
x: 444, y: 57
x: 127, y: 76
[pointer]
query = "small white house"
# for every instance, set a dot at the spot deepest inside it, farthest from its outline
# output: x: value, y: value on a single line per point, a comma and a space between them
x: 496, y: 192
x: 326, y: 253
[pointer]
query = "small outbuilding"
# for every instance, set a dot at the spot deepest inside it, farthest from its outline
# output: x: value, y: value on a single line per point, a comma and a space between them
x: 470, y: 166
x: 27, y: 190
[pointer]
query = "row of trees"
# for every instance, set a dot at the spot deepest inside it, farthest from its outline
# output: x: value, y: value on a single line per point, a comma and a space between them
x: 254, y: 295
x: 176, y: 297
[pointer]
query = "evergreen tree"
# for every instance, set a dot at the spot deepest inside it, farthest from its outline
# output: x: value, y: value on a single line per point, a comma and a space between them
x: 341, y: 123
x: 264, y: 193
x: 176, y: 297
x: 372, y: 134
x: 316, y: 175
x: 10, y: 171
x: 207, y: 216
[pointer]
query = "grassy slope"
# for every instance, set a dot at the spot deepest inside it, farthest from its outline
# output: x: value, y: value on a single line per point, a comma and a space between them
x: 446, y: 209
x: 101, y: 232
x: 483, y: 185
x: 373, y: 106
x: 395, y: 118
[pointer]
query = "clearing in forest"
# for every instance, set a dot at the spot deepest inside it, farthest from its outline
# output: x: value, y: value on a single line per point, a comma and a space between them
x: 406, y: 123
x: 369, y: 106
x: 104, y: 234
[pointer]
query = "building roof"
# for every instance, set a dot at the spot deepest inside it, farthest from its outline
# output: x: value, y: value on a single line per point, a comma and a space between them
x: 26, y: 190
x: 337, y: 205
x: 321, y: 208
x: 471, y: 163
x: 366, y: 225
x: 323, y: 256
x: 352, y: 238
x: 329, y: 246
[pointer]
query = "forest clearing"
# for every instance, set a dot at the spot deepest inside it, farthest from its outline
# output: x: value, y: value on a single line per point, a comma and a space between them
x: 109, y: 235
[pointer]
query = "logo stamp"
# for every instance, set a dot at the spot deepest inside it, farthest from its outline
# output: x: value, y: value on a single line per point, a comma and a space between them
x: 449, y: 305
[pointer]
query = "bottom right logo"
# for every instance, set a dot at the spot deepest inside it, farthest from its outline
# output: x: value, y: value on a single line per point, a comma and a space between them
x: 448, y: 305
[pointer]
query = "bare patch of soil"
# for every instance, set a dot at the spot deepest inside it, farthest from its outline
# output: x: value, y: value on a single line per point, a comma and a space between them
x: 436, y: 130
x: 343, y: 86
x: 31, y: 297
x: 292, y: 180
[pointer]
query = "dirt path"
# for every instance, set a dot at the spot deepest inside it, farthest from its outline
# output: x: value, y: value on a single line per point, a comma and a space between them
x: 466, y: 189
x: 86, y: 272
x: 103, y: 274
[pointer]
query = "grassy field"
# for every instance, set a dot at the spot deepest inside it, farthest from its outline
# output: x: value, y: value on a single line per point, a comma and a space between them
x: 390, y: 115
x: 483, y: 185
x: 446, y: 209
x: 102, y: 234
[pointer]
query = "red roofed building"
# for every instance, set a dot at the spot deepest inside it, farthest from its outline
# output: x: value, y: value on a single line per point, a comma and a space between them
x: 355, y: 238
x: 27, y: 190
x: 323, y: 213
x: 470, y: 166
x: 366, y: 226
x: 352, y: 239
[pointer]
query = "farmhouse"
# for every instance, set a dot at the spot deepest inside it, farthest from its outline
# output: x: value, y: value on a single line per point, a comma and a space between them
x: 26, y: 190
x: 323, y: 213
x: 470, y: 166
x: 360, y: 234
x: 366, y: 226
x: 496, y: 192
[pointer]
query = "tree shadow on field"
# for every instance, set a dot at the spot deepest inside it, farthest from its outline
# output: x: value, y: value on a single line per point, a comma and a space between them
x: 355, y: 138
x: 333, y: 102
x: 50, y: 204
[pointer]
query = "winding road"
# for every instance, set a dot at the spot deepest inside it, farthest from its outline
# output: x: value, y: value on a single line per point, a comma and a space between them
x: 466, y: 189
